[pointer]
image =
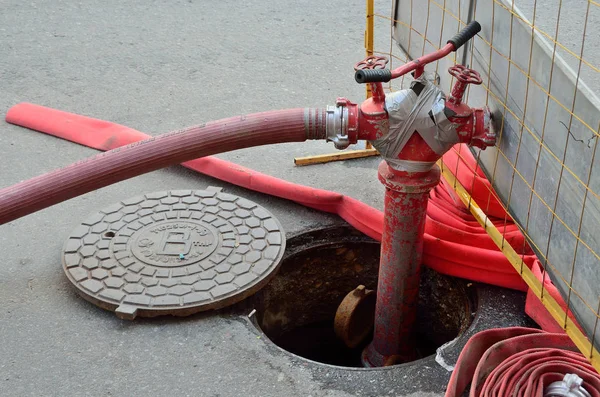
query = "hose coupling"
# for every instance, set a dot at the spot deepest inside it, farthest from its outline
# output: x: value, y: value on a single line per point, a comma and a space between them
x: 337, y: 125
x: 570, y: 386
x: 342, y: 123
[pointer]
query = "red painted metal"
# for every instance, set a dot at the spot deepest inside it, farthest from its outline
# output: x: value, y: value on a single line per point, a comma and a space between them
x: 472, y: 125
x: 405, y: 206
x: 406, y: 199
x: 464, y: 76
x: 373, y: 62
x: 352, y: 118
x: 372, y: 119
x: 419, y: 63
x: 518, y: 362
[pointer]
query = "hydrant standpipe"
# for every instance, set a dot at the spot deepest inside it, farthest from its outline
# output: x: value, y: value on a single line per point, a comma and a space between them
x: 411, y: 129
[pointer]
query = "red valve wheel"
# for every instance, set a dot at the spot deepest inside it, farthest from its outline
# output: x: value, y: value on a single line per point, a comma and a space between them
x: 465, y: 75
x: 371, y: 62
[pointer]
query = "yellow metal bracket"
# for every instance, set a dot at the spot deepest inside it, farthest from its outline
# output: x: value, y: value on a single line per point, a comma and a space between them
x: 580, y: 340
x: 349, y: 154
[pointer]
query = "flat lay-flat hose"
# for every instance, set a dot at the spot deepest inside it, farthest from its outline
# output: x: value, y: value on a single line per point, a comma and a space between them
x: 454, y: 244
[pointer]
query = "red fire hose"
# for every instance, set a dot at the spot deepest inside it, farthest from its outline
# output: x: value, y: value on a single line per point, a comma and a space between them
x: 455, y: 244
x: 519, y: 362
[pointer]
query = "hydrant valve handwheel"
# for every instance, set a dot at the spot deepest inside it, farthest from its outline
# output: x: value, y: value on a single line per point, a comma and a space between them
x: 371, y: 62
x: 465, y: 75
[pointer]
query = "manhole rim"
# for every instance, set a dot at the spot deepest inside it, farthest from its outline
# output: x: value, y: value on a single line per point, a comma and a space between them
x: 460, y: 340
x: 477, y: 301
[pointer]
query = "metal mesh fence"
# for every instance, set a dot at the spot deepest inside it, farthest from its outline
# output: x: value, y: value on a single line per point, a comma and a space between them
x: 539, y: 61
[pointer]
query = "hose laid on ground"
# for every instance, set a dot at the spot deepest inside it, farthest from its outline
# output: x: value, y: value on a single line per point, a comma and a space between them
x: 519, y: 361
x: 455, y: 244
x: 291, y: 125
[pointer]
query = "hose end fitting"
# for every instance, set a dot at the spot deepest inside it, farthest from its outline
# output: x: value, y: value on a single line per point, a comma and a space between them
x: 314, y: 123
x: 342, y: 123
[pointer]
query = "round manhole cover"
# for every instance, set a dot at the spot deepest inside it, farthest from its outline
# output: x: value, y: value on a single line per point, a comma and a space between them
x: 174, y: 252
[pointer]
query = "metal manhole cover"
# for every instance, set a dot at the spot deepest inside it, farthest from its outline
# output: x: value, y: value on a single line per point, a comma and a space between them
x: 174, y: 252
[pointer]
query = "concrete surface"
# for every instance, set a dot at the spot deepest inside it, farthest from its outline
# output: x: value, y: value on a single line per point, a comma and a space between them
x: 158, y: 66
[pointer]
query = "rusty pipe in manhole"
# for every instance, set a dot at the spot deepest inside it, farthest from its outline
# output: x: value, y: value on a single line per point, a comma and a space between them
x: 405, y: 205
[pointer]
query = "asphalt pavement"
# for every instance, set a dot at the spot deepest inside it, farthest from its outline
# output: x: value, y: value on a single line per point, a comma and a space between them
x: 158, y: 66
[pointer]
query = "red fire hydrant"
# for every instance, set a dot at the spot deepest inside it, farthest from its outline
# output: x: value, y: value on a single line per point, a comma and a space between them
x: 411, y: 129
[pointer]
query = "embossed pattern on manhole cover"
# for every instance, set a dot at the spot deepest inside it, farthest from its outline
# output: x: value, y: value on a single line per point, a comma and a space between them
x: 174, y: 252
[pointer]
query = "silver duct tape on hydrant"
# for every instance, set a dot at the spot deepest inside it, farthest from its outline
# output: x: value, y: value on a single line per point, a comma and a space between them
x: 423, y: 113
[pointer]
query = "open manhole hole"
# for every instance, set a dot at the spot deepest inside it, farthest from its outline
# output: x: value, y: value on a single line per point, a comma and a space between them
x: 296, y: 309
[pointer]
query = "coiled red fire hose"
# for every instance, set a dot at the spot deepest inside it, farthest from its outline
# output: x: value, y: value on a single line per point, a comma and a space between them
x: 518, y: 362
